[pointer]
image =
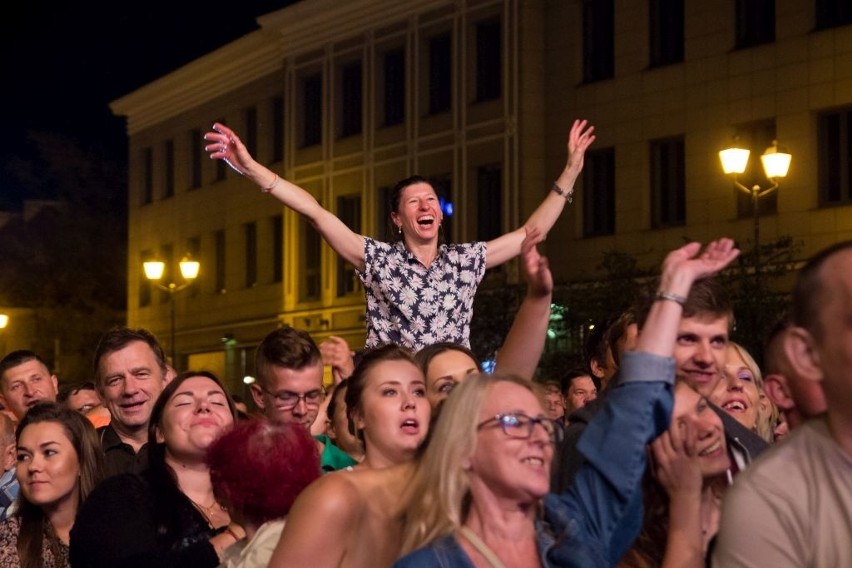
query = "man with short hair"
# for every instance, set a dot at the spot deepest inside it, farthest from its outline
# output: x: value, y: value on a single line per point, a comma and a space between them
x: 131, y: 372
x: 289, y: 386
x: 797, y: 398
x: 24, y: 381
x: 9, y: 486
x: 792, y: 508
x: 700, y: 355
x: 578, y: 388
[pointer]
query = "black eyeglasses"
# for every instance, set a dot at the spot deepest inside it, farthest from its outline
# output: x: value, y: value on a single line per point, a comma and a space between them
x: 285, y: 400
x: 517, y: 425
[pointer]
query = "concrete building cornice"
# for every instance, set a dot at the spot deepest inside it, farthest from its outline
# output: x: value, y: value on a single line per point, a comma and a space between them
x: 293, y: 30
x: 238, y: 63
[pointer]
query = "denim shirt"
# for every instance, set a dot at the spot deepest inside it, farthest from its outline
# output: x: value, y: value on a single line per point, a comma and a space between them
x: 597, y: 519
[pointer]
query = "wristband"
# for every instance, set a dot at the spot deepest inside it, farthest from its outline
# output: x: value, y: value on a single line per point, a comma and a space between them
x: 661, y: 295
x: 568, y: 195
x: 271, y: 185
x: 231, y: 532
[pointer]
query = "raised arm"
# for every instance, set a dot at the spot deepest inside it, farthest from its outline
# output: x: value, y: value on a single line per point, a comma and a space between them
x: 524, y: 343
x: 227, y: 146
x: 508, y: 246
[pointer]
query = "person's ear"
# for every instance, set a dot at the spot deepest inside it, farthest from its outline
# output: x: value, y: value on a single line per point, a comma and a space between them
x: 158, y: 435
x: 776, y: 389
x: 10, y: 456
x: 597, y: 369
x: 257, y: 396
x: 800, y: 348
x: 55, y: 382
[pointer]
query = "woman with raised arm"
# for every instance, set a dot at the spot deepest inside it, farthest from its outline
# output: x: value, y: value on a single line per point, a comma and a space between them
x: 418, y: 292
x: 483, y: 481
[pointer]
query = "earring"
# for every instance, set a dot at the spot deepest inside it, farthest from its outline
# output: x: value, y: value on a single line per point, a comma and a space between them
x: 400, y: 229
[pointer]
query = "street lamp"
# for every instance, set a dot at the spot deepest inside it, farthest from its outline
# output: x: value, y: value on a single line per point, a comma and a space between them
x: 154, y: 272
x: 775, y: 164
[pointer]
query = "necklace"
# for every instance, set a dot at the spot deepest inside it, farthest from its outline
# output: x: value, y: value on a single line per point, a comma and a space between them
x: 209, y: 511
x: 481, y: 547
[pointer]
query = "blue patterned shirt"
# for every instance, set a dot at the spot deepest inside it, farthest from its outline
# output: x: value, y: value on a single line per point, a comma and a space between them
x: 414, y: 305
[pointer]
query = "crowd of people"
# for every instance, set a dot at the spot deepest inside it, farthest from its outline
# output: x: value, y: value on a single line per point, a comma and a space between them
x: 669, y: 447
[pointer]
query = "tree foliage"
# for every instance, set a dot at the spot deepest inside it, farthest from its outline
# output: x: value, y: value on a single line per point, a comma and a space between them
x: 67, y: 260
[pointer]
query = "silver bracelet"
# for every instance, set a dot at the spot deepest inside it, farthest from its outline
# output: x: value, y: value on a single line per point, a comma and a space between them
x: 661, y: 295
x: 568, y: 195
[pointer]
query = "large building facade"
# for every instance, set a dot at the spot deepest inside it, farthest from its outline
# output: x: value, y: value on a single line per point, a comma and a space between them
x: 346, y: 98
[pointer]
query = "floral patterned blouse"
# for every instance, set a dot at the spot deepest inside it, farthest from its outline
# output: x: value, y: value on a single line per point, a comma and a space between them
x: 54, y: 552
x: 414, y: 305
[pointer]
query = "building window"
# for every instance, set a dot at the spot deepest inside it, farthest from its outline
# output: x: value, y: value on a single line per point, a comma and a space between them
x: 443, y: 186
x: 834, y: 143
x: 833, y: 13
x: 277, y: 129
x: 219, y: 251
x: 665, y: 32
x: 393, y: 65
x: 277, y: 248
x: 598, y: 40
x: 144, y: 284
x: 351, y: 99
x: 755, y: 22
x: 250, y: 136
x: 440, y: 73
x: 195, y: 147
x: 488, y: 60
x: 385, y: 228
x: 757, y: 137
x: 668, y: 179
x: 310, y: 269
x: 147, y: 195
x: 599, y: 193
x: 489, y: 202
x: 169, y: 167
x: 250, y: 230
x: 348, y: 211
x: 311, y: 110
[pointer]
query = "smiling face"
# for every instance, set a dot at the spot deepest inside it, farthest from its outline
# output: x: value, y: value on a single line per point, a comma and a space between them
x: 737, y: 393
x: 195, y: 415
x: 700, y: 351
x: 131, y: 379
x: 419, y: 213
x: 444, y: 372
x: 26, y: 384
x: 693, y: 415
x: 393, y: 412
x: 48, y: 466
x: 511, y: 469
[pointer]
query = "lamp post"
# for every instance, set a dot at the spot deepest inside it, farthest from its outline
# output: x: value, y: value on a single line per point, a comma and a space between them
x: 154, y: 272
x: 4, y: 321
x: 775, y: 164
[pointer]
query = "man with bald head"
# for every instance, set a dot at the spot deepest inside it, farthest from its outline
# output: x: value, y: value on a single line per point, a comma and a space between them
x: 792, y: 507
x: 797, y: 398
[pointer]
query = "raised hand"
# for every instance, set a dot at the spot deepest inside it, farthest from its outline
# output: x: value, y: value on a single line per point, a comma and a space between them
x: 227, y: 146
x: 336, y: 353
x: 579, y: 139
x: 686, y: 262
x: 534, y: 267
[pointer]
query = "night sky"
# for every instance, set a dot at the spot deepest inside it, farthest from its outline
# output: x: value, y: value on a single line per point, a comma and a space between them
x: 64, y: 62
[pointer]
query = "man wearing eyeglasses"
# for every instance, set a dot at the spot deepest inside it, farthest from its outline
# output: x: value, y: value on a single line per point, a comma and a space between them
x: 289, y: 386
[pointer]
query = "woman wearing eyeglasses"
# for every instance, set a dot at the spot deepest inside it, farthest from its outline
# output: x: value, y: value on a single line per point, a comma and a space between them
x: 480, y: 496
